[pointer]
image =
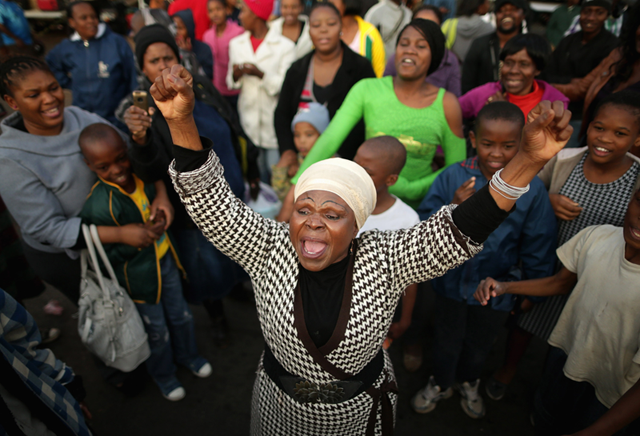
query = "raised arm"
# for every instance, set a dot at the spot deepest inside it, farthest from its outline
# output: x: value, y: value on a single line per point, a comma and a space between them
x: 198, y: 177
x: 451, y: 236
x: 340, y: 126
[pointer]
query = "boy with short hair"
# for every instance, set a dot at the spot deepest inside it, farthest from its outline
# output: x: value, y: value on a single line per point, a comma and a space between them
x: 521, y: 248
x: 307, y: 126
x: 592, y: 379
x: 144, y: 259
x: 383, y: 158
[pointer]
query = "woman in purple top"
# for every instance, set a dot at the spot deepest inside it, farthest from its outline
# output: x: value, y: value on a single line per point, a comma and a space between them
x: 523, y: 58
x: 447, y: 76
x: 218, y: 37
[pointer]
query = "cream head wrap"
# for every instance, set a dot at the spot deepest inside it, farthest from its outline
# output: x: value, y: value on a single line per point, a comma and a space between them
x: 346, y: 179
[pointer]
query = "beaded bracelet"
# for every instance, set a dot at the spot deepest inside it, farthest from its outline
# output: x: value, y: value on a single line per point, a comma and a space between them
x: 507, y: 191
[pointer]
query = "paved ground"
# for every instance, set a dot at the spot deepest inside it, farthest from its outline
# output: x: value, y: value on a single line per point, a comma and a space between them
x: 221, y: 404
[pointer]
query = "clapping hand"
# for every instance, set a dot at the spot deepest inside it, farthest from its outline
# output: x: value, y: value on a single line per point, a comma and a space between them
x: 465, y: 191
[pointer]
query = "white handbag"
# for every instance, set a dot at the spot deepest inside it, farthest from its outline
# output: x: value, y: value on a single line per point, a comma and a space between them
x: 109, y: 324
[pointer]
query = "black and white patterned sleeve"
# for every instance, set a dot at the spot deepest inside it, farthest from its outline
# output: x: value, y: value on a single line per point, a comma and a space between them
x: 428, y: 249
x: 225, y: 220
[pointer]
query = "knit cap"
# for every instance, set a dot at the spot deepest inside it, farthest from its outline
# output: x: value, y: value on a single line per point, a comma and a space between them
x: 315, y: 114
x: 151, y: 34
x: 601, y: 3
x: 262, y: 8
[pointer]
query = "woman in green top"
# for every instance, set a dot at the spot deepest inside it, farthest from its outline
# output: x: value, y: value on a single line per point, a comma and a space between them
x: 421, y: 115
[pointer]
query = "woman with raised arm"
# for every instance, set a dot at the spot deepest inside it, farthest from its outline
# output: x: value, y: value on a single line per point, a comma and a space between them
x: 325, y: 298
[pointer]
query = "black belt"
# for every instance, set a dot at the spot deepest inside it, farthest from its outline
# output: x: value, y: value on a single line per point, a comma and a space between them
x: 304, y: 391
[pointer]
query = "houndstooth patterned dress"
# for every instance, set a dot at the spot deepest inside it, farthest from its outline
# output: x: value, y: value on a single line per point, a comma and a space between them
x: 385, y: 264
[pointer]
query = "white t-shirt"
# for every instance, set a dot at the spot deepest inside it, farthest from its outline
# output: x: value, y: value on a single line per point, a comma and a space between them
x: 599, y: 328
x: 399, y: 216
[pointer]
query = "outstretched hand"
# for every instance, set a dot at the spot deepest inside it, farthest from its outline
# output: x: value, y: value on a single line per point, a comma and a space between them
x: 489, y: 288
x: 173, y: 93
x: 547, y: 131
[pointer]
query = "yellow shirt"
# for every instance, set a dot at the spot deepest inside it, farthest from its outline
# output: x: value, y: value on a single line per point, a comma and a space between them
x: 140, y: 199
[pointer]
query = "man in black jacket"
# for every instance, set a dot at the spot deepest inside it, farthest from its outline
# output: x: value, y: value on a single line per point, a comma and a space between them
x: 482, y: 63
x: 579, y: 53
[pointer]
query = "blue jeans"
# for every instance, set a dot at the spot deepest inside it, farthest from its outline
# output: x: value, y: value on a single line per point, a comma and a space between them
x: 266, y: 159
x: 564, y: 406
x: 211, y: 274
x: 463, y: 337
x: 170, y: 327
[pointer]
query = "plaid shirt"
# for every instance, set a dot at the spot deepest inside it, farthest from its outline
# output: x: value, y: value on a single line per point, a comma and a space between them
x: 39, y: 369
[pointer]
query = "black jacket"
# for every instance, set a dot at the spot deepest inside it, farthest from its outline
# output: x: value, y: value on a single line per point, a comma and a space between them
x: 353, y: 69
x: 482, y: 64
x: 572, y: 59
x: 151, y: 160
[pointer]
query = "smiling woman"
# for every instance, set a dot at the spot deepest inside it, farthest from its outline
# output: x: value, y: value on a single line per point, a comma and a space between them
x: 523, y: 58
x: 44, y: 179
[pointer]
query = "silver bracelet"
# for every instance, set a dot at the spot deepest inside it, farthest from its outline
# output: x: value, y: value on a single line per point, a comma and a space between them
x: 507, y: 191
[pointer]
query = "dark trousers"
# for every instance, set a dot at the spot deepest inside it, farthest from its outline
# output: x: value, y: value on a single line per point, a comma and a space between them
x: 57, y: 269
x: 564, y: 406
x: 463, y: 337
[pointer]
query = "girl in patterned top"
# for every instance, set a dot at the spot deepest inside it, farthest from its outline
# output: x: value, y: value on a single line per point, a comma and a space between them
x: 587, y: 186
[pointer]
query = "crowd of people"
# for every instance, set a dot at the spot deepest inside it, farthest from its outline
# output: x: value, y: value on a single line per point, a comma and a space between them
x: 442, y: 142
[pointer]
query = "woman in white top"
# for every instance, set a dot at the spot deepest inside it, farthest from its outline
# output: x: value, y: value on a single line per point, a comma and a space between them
x: 258, y: 62
x: 294, y: 26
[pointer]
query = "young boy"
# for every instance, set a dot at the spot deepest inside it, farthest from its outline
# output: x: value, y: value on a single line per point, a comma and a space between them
x: 383, y: 158
x: 592, y: 377
x: 308, y: 124
x: 142, y: 256
x: 522, y: 247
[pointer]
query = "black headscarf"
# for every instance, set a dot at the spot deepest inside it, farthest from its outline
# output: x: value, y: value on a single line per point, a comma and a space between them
x: 151, y: 34
x: 434, y: 36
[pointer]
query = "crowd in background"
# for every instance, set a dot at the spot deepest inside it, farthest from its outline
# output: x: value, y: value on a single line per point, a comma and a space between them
x: 279, y: 87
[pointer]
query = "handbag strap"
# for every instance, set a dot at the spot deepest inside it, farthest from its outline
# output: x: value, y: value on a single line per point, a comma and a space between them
x: 103, y: 255
x: 94, y: 261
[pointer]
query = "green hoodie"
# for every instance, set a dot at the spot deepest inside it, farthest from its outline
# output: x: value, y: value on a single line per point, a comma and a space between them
x: 137, y: 270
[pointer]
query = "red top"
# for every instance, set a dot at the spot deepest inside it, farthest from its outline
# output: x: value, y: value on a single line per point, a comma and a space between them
x: 529, y: 101
x: 255, y: 42
x: 199, y: 11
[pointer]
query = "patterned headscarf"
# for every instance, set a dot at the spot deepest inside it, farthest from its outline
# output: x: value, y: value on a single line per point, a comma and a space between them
x: 346, y: 179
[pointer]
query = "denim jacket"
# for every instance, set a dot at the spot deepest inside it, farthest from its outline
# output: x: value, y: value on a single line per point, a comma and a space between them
x: 522, y: 248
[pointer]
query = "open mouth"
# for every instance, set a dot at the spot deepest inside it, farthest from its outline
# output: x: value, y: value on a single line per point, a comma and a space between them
x: 601, y: 151
x: 313, y: 249
x: 52, y: 113
x: 507, y: 21
x: 635, y: 233
x: 407, y: 61
x: 495, y: 165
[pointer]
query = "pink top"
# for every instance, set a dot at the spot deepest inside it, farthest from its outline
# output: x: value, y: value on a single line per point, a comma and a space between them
x: 220, y: 49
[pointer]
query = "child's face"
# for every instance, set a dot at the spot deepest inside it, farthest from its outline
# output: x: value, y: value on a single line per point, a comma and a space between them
x: 497, y: 142
x: 181, y: 29
x: 108, y: 158
x: 217, y: 12
x: 376, y: 167
x: 611, y: 135
x: 304, y: 136
x: 632, y: 227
